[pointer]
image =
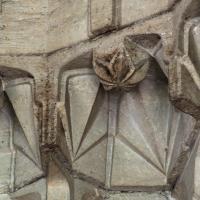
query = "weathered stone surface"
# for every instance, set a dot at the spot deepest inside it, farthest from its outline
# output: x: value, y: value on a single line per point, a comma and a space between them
x: 5, y: 152
x: 67, y: 23
x: 23, y: 27
x: 4, y: 197
x: 127, y: 66
x: 57, y: 57
x: 186, y: 73
x: 58, y: 186
x: 84, y: 190
x: 197, y: 175
x: 133, y: 10
x: 102, y: 16
x: 36, y: 190
x: 122, y: 161
x: 139, y: 196
x: 19, y: 141
x: 184, y: 85
x: 0, y: 6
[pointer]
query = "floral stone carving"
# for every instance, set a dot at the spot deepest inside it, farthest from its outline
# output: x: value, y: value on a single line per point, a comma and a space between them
x: 123, y: 68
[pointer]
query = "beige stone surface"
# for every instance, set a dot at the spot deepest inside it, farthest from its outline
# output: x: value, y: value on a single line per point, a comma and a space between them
x: 67, y: 23
x: 58, y: 187
x: 23, y: 27
x: 44, y: 26
x: 106, y: 144
x: 101, y: 15
x: 197, y: 175
x: 133, y: 10
x: 139, y: 196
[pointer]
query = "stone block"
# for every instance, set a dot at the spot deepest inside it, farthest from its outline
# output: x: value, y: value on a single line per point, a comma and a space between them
x: 133, y: 10
x: 101, y: 16
x: 68, y: 23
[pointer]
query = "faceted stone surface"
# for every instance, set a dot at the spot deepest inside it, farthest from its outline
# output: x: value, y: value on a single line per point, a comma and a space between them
x: 139, y: 196
x: 33, y: 191
x: 82, y: 189
x: 101, y: 15
x: 62, y: 136
x: 133, y: 10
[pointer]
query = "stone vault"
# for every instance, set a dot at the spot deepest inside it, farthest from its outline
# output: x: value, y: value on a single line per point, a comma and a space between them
x: 99, y: 99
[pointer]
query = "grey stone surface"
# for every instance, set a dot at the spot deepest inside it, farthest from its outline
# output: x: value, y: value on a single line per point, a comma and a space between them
x: 187, y: 67
x: 58, y: 186
x: 19, y: 141
x: 33, y: 191
x: 184, y: 77
x: 197, y: 175
x: 5, y: 152
x: 83, y: 189
x: 101, y: 16
x: 23, y: 23
x: 139, y: 196
x: 63, y: 136
x: 147, y: 161
x: 133, y: 10
x: 67, y: 23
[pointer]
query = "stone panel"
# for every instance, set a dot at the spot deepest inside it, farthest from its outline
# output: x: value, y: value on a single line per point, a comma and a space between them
x: 185, y: 86
x: 23, y: 27
x: 197, y: 175
x: 133, y: 10
x: 184, y: 70
x: 102, y: 17
x: 68, y: 23
x: 140, y: 196
x: 5, y: 152
x: 58, y: 186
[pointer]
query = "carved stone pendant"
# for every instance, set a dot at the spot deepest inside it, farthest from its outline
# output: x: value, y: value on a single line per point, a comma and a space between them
x: 123, y: 67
